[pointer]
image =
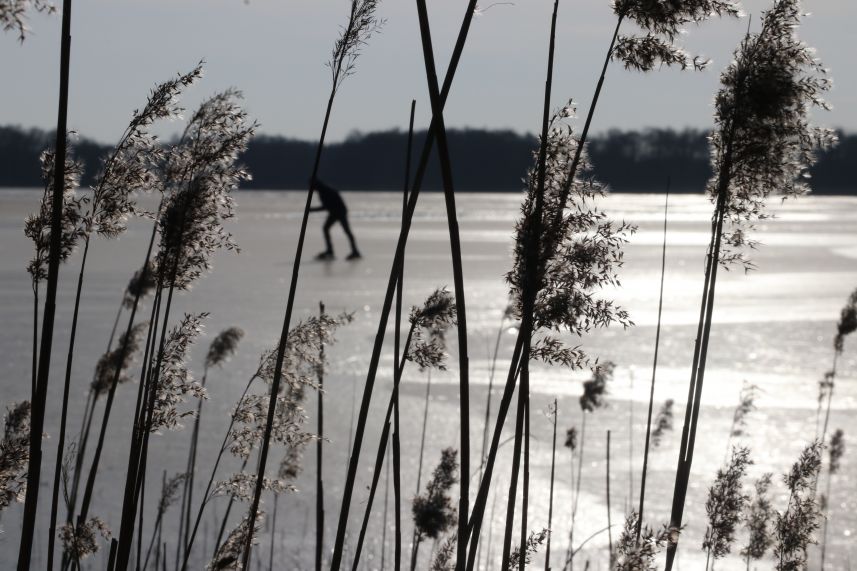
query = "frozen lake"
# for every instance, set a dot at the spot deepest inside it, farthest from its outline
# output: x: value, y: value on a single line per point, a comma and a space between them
x: 772, y: 327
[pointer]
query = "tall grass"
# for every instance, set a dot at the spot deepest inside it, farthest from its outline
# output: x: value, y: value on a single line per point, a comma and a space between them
x: 362, y: 23
x: 40, y: 390
x: 763, y: 144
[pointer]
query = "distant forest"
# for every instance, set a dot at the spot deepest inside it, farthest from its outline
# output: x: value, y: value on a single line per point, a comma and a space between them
x: 628, y: 161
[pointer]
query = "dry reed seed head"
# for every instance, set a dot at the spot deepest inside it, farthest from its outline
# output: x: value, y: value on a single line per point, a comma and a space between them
x: 795, y: 527
x: 175, y: 383
x: 14, y: 454
x: 847, y: 322
x: 117, y: 360
x: 663, y: 422
x: 763, y: 143
x: 79, y: 542
x: 836, y: 450
x: 631, y: 556
x: 669, y: 17
x: 534, y: 541
x: 725, y: 504
x: 133, y: 166
x: 825, y: 385
x: 201, y: 173
x: 142, y: 283
x: 433, y: 511
x: 362, y: 23
x: 250, y: 418
x: 291, y: 464
x: 13, y: 14
x: 567, y: 254
x: 746, y: 405
x: 37, y: 227
x: 223, y: 346
x: 229, y: 554
x: 430, y: 324
x: 595, y: 389
x: 759, y: 518
x: 646, y: 53
x: 444, y: 559
x: 170, y: 493
x: 571, y: 439
x: 241, y: 486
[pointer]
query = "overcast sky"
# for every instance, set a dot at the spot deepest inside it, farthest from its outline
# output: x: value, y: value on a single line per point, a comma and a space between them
x: 275, y: 50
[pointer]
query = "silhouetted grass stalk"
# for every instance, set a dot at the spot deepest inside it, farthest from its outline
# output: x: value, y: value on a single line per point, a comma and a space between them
x: 398, y: 260
x: 551, y: 413
x: 40, y: 394
x: 361, y: 24
x: 319, y: 479
x: 643, y: 475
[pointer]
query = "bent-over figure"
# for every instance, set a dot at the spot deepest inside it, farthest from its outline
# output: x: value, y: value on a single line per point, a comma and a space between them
x: 332, y: 202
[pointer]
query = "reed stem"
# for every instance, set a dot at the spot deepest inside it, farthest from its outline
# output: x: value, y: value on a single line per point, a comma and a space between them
x: 40, y: 394
x: 639, y: 527
x: 319, y: 461
x: 550, y: 500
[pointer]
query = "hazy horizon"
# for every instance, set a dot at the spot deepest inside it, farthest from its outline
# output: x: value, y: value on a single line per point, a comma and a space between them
x: 275, y: 53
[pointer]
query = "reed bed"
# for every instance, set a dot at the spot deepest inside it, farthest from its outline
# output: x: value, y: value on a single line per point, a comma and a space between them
x: 567, y: 255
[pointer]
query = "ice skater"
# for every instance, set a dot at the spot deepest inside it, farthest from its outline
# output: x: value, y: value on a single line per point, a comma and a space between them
x: 336, y: 212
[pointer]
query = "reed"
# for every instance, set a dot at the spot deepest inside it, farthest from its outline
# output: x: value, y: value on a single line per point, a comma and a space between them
x: 644, y: 472
x: 398, y: 260
x: 319, y: 450
x: 762, y: 145
x: 835, y: 450
x: 362, y: 23
x: 847, y: 324
x: 170, y: 492
x: 14, y: 453
x: 220, y: 350
x: 725, y: 506
x: 759, y: 519
x: 610, y: 554
x: 794, y: 528
x: 40, y: 389
x: 662, y: 24
x: 433, y: 511
x: 552, y: 416
x: 14, y: 15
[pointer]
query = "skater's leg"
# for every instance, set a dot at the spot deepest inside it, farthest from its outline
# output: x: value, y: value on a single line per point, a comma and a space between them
x: 355, y: 253
x: 328, y: 253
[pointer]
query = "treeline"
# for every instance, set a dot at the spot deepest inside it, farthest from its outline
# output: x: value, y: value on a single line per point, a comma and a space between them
x: 628, y: 161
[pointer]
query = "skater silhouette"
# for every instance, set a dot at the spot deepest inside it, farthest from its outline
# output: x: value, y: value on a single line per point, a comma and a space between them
x: 336, y: 212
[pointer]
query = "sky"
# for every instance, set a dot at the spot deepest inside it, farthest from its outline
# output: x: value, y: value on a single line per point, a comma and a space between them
x: 275, y: 52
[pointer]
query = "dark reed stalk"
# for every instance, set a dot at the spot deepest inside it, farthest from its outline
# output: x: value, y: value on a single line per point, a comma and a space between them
x: 835, y: 452
x: 361, y: 24
x: 274, y: 534
x: 847, y: 324
x: 40, y: 394
x: 319, y: 464
x: 525, y: 495
x: 388, y: 297
x: 397, y: 473
x: 414, y: 542
x: 640, y: 512
x: 763, y: 145
x: 644, y: 54
x: 384, y: 512
x: 513, y: 477
x: 379, y: 460
x: 458, y: 281
x: 551, y: 413
x: 609, y: 519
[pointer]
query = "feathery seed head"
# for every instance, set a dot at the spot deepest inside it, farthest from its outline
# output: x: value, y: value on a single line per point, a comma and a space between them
x: 223, y: 346
x: 117, y: 361
x: 759, y: 518
x: 631, y: 556
x: 725, y: 504
x: 13, y: 14
x: 571, y: 439
x: 142, y: 283
x: 595, y: 389
x: 837, y: 449
x: 847, y: 322
x: 795, y: 527
x: 362, y: 23
x: 82, y: 541
x: 229, y: 554
x: 14, y: 454
x: 663, y: 422
x: 433, y: 511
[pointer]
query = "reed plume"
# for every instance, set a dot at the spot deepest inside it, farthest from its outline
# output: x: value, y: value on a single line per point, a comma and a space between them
x: 230, y: 553
x: 14, y: 454
x: 636, y: 551
x: 433, y: 511
x: 81, y: 541
x: 763, y: 144
x: 725, y: 505
x: 523, y: 557
x: 846, y: 325
x: 663, y: 422
x: 759, y: 519
x: 13, y: 14
x: 169, y: 494
x: 794, y: 528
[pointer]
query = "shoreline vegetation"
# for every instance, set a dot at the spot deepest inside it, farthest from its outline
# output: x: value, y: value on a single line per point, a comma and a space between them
x: 488, y: 160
